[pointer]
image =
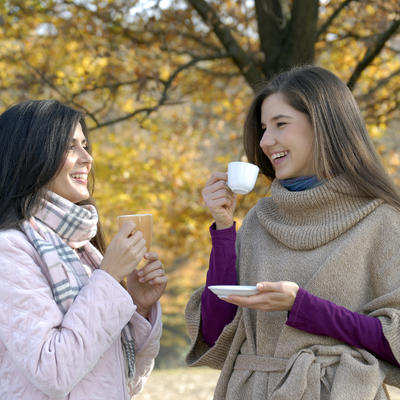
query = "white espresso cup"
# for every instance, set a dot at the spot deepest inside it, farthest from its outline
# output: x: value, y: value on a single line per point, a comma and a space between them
x: 242, y: 176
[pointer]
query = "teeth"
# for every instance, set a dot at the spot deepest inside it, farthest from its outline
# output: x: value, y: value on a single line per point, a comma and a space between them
x: 277, y: 155
x: 79, y: 176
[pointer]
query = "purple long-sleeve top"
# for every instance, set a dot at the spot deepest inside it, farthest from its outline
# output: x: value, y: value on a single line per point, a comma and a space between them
x: 216, y: 313
x: 309, y: 313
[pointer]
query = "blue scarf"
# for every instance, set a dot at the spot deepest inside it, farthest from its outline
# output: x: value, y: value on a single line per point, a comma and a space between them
x: 300, y: 183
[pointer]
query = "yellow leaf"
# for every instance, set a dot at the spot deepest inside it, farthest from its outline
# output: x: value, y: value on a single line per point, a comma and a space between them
x: 164, y: 72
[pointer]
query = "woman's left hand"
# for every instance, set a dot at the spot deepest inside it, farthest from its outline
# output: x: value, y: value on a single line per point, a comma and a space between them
x: 273, y: 296
x: 147, y: 284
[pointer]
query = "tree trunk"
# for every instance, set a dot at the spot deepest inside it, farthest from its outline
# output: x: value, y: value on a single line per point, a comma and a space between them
x: 300, y: 35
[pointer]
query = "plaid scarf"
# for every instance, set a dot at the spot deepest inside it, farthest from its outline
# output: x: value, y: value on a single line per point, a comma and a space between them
x: 58, y: 228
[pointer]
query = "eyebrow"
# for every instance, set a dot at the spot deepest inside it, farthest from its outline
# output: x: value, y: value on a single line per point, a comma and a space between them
x: 278, y: 117
x: 281, y: 116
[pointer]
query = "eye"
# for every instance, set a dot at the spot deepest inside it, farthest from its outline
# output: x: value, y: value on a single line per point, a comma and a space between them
x: 280, y: 124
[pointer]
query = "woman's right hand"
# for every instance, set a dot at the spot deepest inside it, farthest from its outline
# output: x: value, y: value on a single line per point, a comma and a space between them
x: 220, y: 200
x: 124, y: 253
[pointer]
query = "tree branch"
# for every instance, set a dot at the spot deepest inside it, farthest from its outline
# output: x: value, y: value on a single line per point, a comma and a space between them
x: 371, y: 53
x: 332, y: 17
x: 112, y: 86
x: 66, y: 98
x: 218, y: 73
x: 243, y: 61
x: 187, y: 35
x: 380, y: 84
x: 164, y: 96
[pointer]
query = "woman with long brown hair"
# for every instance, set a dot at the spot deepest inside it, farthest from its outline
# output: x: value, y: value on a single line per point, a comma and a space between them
x: 68, y: 328
x: 323, y: 251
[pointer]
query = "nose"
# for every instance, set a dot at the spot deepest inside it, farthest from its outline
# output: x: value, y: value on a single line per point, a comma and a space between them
x: 268, y: 139
x: 84, y: 156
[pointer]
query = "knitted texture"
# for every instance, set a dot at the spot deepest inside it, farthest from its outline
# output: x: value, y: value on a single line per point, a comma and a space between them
x: 338, y: 246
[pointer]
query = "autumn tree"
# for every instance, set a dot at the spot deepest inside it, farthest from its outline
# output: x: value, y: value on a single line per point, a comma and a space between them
x: 137, y: 56
x: 165, y: 86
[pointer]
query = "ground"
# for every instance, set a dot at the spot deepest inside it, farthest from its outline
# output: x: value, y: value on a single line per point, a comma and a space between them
x: 190, y: 384
x: 175, y: 384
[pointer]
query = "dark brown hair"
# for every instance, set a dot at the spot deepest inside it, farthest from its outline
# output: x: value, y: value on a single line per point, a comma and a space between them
x: 34, y: 138
x: 341, y: 142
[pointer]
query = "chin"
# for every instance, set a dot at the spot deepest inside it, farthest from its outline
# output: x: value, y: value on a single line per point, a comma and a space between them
x: 77, y: 198
x: 283, y: 175
x: 83, y: 198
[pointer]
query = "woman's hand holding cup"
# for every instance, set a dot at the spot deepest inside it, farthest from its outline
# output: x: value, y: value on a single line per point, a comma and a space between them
x: 146, y: 285
x: 220, y: 200
x: 124, y: 253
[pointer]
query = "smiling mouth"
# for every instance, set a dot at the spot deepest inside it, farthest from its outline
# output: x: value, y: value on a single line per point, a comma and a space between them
x: 80, y: 178
x: 277, y: 158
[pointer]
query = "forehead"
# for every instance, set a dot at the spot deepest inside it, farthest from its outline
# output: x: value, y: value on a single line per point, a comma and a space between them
x: 78, y: 134
x: 274, y: 105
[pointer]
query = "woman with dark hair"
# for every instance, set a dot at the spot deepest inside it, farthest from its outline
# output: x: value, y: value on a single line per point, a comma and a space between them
x: 68, y: 327
x: 323, y: 251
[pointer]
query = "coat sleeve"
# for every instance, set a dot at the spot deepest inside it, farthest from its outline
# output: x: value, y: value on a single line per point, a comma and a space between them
x: 146, y: 334
x: 53, y: 350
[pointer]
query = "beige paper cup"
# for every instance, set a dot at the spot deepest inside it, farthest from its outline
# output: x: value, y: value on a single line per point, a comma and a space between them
x: 144, y: 224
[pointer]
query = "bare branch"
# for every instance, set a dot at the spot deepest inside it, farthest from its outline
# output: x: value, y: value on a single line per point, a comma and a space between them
x: 332, y: 17
x: 243, y: 61
x: 380, y: 84
x: 116, y: 85
x: 164, y: 96
x: 65, y: 98
x: 218, y: 73
x: 186, y: 35
x: 371, y: 53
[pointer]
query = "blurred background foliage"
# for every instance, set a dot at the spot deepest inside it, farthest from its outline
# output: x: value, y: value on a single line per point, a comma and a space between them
x: 165, y: 86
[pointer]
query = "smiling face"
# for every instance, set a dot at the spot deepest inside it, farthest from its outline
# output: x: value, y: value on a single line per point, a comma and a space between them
x: 287, y: 139
x: 71, y: 181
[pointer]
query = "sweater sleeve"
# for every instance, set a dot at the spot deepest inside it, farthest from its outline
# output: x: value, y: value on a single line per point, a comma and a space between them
x: 322, y: 317
x: 216, y: 313
x: 53, y: 350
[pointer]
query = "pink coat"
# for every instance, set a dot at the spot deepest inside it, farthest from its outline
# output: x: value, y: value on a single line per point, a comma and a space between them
x: 77, y: 356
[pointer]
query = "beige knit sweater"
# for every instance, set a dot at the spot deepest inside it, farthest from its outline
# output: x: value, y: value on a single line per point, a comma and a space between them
x: 338, y: 246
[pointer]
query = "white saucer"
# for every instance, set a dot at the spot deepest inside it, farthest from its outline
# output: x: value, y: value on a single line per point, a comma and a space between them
x: 234, y: 290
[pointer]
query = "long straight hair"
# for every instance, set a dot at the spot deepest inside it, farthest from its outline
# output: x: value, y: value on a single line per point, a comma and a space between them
x: 342, y: 145
x: 34, y: 139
